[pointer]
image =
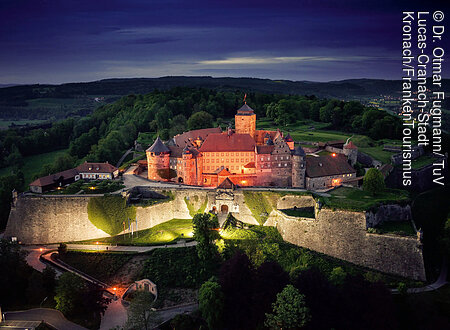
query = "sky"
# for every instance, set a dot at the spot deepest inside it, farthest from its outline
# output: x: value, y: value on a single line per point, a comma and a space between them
x: 58, y: 41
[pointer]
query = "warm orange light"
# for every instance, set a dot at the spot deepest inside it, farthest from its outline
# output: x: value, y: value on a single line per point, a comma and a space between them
x: 243, y: 182
x: 96, y: 243
x: 114, y: 289
x: 41, y: 249
x: 92, y: 188
x: 333, y: 154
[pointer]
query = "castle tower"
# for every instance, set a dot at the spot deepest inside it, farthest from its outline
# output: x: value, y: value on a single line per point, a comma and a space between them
x: 245, y: 121
x: 158, y: 161
x: 298, y: 168
x: 190, y: 167
x: 351, y: 151
x: 290, y: 141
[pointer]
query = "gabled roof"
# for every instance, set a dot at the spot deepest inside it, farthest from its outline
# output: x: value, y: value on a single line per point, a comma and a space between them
x: 184, y: 139
x: 158, y: 147
x: 288, y: 138
x: 261, y: 135
x: 226, y: 184
x: 175, y: 151
x: 223, y: 172
x: 327, y: 165
x: 96, y: 168
x: 54, y: 178
x: 269, y: 142
x: 264, y: 149
x: 350, y: 145
x: 223, y: 142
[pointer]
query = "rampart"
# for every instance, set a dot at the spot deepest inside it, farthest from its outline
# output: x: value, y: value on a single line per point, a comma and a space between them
x: 340, y: 234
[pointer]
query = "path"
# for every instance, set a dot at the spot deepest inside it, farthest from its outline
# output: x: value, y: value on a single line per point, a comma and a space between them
x: 52, y: 317
x: 127, y: 248
x: 168, y: 313
x: 123, y: 157
x: 115, y: 315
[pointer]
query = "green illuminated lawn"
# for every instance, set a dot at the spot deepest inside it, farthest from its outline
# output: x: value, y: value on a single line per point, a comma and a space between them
x: 164, y: 233
x: 360, y: 200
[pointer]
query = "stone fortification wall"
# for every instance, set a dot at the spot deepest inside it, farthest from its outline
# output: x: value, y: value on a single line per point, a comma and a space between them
x: 388, y: 213
x: 51, y: 219
x: 151, y: 216
x: 342, y: 234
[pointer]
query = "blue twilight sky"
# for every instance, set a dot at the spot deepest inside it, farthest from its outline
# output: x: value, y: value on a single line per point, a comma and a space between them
x: 56, y: 41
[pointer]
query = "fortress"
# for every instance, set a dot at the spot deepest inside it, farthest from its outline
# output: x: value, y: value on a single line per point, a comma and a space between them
x: 246, y: 156
x: 44, y: 219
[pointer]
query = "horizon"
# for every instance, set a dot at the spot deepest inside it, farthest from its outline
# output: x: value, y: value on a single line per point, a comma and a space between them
x: 49, y: 42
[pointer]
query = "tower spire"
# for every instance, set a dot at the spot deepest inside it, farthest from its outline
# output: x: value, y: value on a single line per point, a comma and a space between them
x: 245, y: 98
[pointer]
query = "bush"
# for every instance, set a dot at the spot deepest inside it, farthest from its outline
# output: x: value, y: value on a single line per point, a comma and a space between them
x: 374, y: 181
x: 109, y: 213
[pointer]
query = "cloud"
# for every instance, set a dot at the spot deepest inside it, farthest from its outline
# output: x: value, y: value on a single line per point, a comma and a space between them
x: 282, y: 59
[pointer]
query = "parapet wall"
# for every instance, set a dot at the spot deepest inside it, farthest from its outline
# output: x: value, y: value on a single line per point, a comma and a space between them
x: 51, y: 219
x: 343, y: 235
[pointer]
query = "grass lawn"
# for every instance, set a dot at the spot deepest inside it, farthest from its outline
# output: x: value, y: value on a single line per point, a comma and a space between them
x: 422, y: 161
x: 378, y: 153
x: 303, y: 212
x: 167, y: 232
x: 403, y: 228
x: 33, y: 164
x: 360, y: 200
x: 302, y: 131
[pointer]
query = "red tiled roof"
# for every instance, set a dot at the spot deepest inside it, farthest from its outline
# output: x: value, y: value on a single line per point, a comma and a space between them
x: 175, y: 151
x: 350, y: 145
x: 184, y: 139
x: 265, y: 149
x: 96, y: 168
x: 327, y: 165
x: 222, y: 142
x: 224, y: 172
x: 226, y: 184
x: 261, y: 134
x: 250, y: 165
x: 53, y: 178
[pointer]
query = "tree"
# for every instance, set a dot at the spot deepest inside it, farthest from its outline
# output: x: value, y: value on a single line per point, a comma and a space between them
x: 337, y: 276
x: 203, y: 225
x: 374, y: 181
x: 211, y: 302
x: 289, y: 310
x: 199, y: 120
x: 68, y: 293
x: 140, y: 313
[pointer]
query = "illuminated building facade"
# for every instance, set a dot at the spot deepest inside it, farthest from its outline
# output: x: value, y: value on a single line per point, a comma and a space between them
x: 245, y: 156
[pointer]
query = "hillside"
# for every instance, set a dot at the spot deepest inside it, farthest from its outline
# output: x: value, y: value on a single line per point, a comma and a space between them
x: 61, y: 101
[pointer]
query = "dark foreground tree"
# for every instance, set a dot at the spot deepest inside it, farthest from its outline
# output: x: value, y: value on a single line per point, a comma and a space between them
x: 374, y: 181
x: 211, y: 302
x: 140, y: 313
x: 203, y: 234
x: 289, y: 311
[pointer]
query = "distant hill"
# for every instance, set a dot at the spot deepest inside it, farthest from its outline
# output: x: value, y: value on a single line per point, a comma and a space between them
x: 17, y: 101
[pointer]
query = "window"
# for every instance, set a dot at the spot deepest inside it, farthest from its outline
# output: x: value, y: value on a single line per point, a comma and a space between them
x: 285, y: 164
x: 217, y: 160
x: 226, y: 154
x: 222, y: 153
x: 242, y: 160
x: 281, y: 157
x: 287, y: 157
x: 279, y: 165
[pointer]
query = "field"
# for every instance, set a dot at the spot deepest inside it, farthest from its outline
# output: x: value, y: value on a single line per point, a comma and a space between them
x: 33, y: 164
x: 378, y: 153
x: 360, y: 200
x: 165, y: 233
x: 5, y: 123
x: 422, y: 161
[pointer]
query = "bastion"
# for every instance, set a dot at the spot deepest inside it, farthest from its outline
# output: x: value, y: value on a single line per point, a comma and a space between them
x: 338, y: 233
